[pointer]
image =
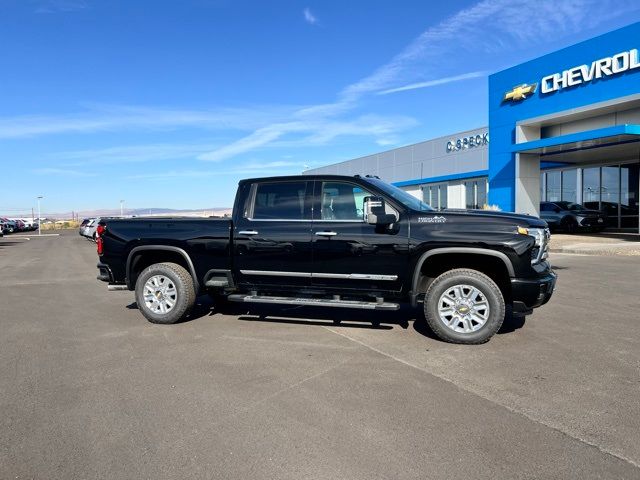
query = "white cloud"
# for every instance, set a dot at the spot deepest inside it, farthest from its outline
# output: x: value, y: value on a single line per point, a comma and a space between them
x: 484, y: 29
x: 310, y: 17
x: 487, y: 27
x: 54, y: 6
x: 133, y: 153
x: 257, y: 139
x: 252, y: 168
x: 310, y: 132
x: 100, y: 118
x: 433, y: 83
x: 62, y: 172
x: 445, y: 52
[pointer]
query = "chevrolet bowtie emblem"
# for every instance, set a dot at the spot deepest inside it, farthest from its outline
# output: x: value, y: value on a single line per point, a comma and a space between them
x: 520, y: 92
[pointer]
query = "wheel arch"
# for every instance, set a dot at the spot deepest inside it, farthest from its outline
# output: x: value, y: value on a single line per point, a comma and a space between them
x: 137, y: 253
x: 479, y: 252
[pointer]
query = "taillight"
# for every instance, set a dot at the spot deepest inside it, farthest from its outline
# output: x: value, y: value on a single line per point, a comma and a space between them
x: 99, y: 242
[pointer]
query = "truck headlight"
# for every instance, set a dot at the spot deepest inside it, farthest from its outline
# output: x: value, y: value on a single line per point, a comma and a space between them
x: 541, y: 237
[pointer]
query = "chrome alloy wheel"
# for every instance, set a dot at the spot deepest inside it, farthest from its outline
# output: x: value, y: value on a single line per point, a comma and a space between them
x: 463, y: 309
x: 160, y: 294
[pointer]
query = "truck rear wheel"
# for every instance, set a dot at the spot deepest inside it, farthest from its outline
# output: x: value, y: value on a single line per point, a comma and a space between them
x: 165, y: 293
x: 464, y: 306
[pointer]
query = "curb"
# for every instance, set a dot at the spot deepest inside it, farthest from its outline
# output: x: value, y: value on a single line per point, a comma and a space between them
x: 597, y: 251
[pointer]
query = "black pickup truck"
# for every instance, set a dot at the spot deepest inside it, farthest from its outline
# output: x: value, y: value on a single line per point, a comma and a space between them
x: 335, y: 241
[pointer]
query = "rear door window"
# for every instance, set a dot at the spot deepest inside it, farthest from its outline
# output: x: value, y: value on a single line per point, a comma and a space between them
x: 280, y: 201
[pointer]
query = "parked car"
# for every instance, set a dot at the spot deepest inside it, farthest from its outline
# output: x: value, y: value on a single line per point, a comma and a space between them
x: 83, y: 226
x: 9, y: 225
x: 30, y: 225
x: 20, y: 226
x: 301, y: 241
x: 571, y: 217
x: 90, y: 229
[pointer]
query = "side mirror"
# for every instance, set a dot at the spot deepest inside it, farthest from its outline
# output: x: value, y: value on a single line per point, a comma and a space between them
x: 375, y: 212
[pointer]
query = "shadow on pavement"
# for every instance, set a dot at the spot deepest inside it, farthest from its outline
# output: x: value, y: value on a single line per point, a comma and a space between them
x: 256, y: 317
x: 5, y: 243
x: 335, y: 317
x: 304, y: 315
x: 512, y: 323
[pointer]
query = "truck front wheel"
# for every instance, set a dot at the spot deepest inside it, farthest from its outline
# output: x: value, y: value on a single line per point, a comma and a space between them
x: 165, y: 293
x: 464, y: 306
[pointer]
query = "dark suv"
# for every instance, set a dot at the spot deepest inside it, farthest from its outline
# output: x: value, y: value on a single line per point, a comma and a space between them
x: 572, y: 217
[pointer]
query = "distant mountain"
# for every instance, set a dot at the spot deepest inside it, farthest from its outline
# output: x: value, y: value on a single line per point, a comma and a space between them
x: 138, y: 212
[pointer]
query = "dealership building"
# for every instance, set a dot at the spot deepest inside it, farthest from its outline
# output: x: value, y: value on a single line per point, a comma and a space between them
x: 562, y: 127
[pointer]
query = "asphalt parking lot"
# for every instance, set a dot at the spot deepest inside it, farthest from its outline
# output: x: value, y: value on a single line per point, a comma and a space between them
x: 90, y: 389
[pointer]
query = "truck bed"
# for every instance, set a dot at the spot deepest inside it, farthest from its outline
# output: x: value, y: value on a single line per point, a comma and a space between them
x: 207, y: 241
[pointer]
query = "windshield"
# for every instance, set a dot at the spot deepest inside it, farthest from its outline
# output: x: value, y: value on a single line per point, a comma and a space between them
x: 401, y: 196
x: 570, y: 206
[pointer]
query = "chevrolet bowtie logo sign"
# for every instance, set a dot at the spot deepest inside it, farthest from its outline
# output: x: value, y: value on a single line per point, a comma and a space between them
x: 520, y: 92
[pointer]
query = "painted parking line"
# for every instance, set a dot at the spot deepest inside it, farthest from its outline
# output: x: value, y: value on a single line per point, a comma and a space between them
x: 36, y: 236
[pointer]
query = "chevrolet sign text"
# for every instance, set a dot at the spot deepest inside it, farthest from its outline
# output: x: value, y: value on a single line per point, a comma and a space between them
x: 618, y: 63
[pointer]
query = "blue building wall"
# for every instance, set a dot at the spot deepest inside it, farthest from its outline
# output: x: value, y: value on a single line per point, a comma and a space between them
x: 504, y: 115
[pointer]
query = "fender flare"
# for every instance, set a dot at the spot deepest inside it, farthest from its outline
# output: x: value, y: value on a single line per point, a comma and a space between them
x: 166, y: 248
x: 440, y: 251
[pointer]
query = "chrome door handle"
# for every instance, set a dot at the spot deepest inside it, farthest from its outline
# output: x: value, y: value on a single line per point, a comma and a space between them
x: 327, y: 234
x: 247, y: 232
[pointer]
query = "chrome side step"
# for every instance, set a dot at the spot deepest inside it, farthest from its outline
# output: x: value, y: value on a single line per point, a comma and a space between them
x: 379, y: 304
x: 115, y: 288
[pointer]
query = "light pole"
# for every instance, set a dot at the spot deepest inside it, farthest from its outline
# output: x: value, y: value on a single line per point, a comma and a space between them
x: 39, y: 219
x: 121, y: 208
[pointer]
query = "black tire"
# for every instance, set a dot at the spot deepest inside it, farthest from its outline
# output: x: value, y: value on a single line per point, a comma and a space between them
x: 569, y: 224
x: 486, y: 287
x: 184, y: 298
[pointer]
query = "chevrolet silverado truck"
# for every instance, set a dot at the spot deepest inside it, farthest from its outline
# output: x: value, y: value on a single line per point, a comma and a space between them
x: 335, y: 241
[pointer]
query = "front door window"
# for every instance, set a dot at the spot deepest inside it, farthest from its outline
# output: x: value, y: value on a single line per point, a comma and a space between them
x: 342, y: 201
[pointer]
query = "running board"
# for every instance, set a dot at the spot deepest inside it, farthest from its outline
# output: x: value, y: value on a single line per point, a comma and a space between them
x: 380, y: 304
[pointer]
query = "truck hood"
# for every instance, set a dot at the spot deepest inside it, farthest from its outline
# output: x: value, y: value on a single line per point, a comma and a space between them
x: 500, y: 217
x: 586, y: 213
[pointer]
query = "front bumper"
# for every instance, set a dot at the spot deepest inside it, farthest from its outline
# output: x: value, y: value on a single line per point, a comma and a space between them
x: 593, y: 222
x: 528, y: 294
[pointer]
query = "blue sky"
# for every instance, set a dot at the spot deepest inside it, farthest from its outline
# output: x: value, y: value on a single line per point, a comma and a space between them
x: 170, y: 103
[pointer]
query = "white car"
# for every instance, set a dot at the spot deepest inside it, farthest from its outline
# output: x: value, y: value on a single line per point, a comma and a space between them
x: 29, y: 224
x: 85, y: 226
x: 90, y: 229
